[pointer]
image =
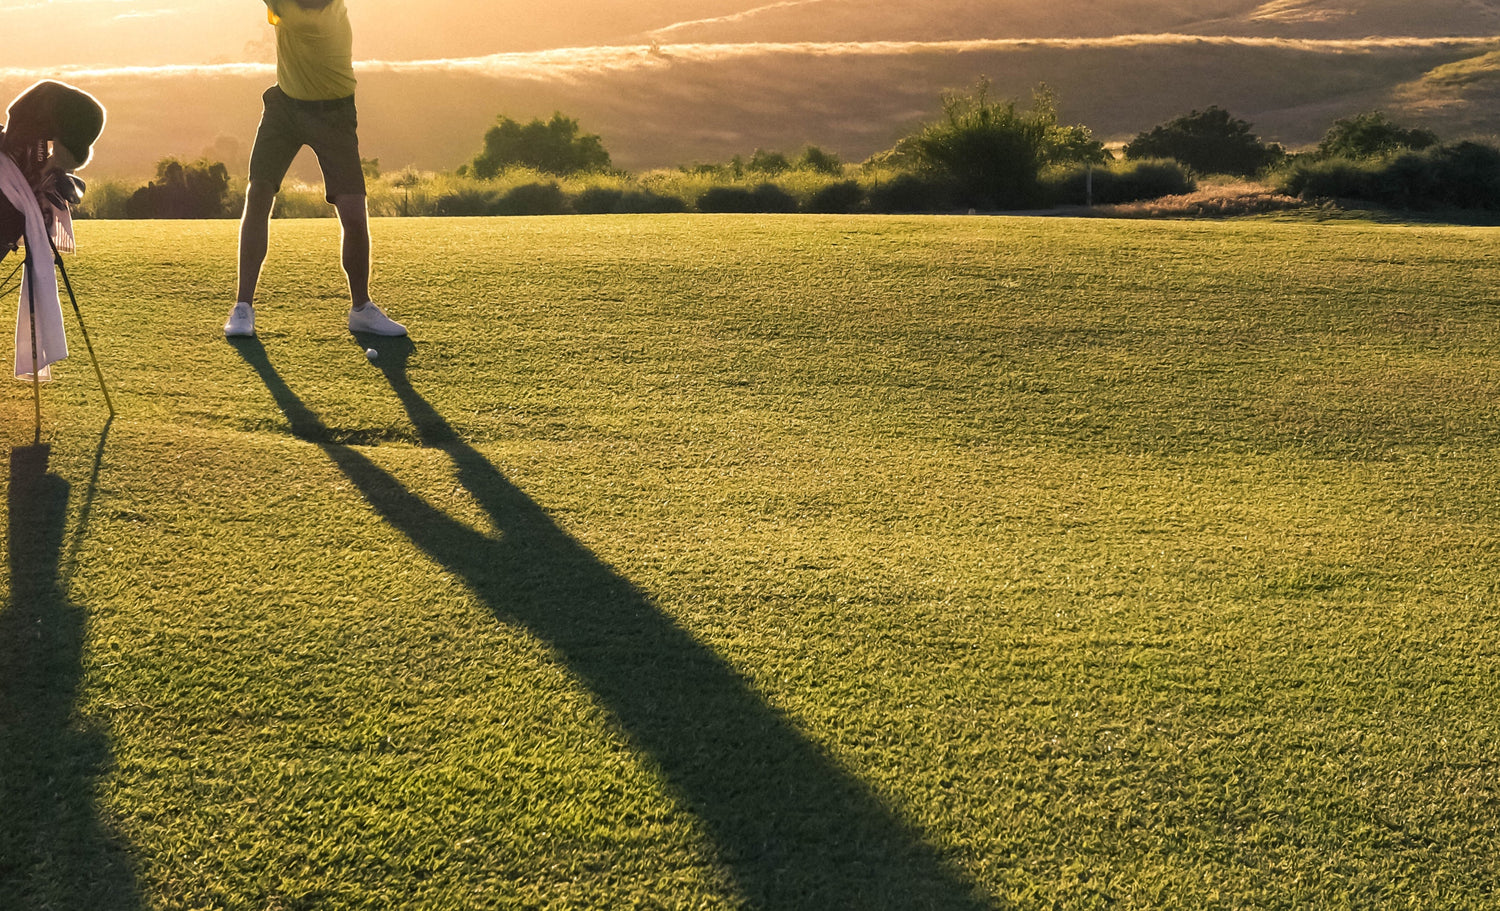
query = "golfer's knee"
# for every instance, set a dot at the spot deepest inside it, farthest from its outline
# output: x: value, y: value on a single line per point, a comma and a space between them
x: 259, y: 197
x: 351, y: 208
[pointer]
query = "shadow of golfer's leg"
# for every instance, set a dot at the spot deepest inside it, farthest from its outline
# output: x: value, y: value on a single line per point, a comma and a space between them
x: 305, y: 424
x: 795, y: 830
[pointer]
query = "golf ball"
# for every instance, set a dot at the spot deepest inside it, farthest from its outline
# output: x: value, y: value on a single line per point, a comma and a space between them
x: 371, y: 353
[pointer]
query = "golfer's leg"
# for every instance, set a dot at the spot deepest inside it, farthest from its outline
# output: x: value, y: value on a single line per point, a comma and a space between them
x: 255, y: 229
x: 276, y: 144
x: 354, y: 218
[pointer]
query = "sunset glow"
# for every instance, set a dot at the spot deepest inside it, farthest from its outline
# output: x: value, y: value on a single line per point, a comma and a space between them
x: 562, y: 63
x: 54, y: 33
x: 653, y: 78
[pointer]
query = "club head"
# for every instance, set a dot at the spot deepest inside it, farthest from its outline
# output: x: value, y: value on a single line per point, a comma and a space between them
x: 64, y: 189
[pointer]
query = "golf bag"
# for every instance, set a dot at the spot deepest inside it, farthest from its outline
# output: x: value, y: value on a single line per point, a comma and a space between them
x: 53, y: 131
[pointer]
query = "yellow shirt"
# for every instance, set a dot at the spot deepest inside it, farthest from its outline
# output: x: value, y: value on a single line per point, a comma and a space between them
x: 314, y: 50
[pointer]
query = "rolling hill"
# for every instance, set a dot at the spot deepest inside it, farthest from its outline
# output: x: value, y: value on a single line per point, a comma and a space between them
x: 679, y: 81
x: 142, y: 33
x: 877, y: 20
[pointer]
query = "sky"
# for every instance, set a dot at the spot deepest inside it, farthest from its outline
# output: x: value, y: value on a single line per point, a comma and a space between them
x: 150, y: 33
x: 653, y: 76
x: 157, y: 32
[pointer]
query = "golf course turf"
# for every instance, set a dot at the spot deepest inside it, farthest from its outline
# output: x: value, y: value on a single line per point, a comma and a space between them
x: 763, y: 562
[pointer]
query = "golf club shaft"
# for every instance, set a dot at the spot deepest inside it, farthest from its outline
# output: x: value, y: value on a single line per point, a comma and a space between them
x: 68, y: 284
x: 36, y: 373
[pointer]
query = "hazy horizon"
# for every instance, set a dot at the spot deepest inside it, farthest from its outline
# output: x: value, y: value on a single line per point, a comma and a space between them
x: 154, y: 33
x: 671, y: 81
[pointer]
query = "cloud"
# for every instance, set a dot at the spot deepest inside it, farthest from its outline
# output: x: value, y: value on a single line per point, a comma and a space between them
x: 145, y: 14
x: 75, y: 73
x: 1296, y: 11
x: 665, y: 31
x: 565, y: 64
x: 570, y: 62
x: 11, y: 6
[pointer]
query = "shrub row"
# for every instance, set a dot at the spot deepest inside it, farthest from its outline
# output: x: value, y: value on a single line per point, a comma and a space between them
x: 841, y: 197
x: 532, y: 194
x: 905, y: 193
x: 982, y: 154
x: 550, y: 199
x: 1116, y: 184
x: 1463, y: 175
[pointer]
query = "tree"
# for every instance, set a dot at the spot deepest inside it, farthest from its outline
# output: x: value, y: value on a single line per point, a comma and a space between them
x: 1064, y: 144
x: 553, y: 147
x: 816, y: 160
x: 1464, y: 175
x: 764, y: 162
x: 1209, y: 142
x: 1371, y: 135
x: 198, y: 189
x: 992, y: 152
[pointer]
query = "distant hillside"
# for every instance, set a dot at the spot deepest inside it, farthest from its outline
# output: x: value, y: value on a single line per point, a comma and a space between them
x: 677, y: 81
x: 940, y: 20
x: 1463, y: 96
x: 677, y: 105
x: 42, y: 33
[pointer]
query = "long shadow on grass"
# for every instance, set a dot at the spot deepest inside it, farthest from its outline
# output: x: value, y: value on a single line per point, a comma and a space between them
x: 793, y: 829
x: 54, y: 850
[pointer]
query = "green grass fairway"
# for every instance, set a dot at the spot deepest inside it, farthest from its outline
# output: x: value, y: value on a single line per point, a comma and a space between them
x: 730, y: 562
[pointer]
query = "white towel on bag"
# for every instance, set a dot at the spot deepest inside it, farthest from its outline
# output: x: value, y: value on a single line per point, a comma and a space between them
x: 41, y: 276
x: 61, y: 219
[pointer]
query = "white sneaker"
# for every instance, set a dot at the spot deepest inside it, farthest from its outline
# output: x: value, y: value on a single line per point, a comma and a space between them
x: 241, y: 322
x: 373, y: 320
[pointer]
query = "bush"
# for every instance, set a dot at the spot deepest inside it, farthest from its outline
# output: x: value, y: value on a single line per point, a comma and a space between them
x: 532, y: 199
x: 1371, y: 135
x: 837, y: 198
x: 106, y: 198
x: 1119, y: 183
x: 466, y: 201
x: 770, y: 164
x: 301, y: 200
x: 912, y: 193
x: 598, y: 201
x: 819, y: 161
x: 990, y: 150
x: 1334, y: 178
x: 615, y: 201
x: 1464, y: 175
x: 646, y: 202
x: 992, y: 153
x: 771, y: 198
x: 763, y: 162
x: 1209, y: 142
x: 555, y: 147
x: 766, y: 198
x: 727, y: 199
x: 523, y: 199
x: 198, y: 189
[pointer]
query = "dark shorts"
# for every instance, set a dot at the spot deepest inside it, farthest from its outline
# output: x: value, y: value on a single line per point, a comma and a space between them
x: 330, y: 128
